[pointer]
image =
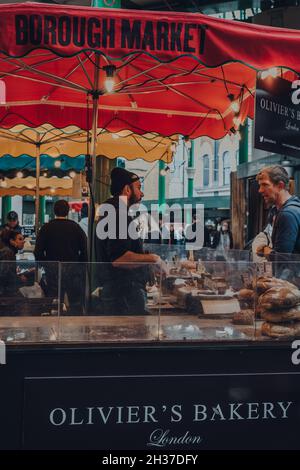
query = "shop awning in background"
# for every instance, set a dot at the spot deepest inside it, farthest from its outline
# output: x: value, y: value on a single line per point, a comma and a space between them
x: 175, y: 73
x: 72, y: 141
x: 10, y: 165
x: 48, y: 186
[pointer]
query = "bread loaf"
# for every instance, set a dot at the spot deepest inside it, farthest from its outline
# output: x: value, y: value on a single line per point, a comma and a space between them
x: 279, y: 298
x: 246, y: 294
x: 284, y: 330
x: 244, y: 317
x: 264, y: 283
x: 280, y: 316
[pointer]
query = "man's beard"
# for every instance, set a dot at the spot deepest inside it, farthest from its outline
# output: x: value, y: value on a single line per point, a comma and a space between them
x: 133, y: 200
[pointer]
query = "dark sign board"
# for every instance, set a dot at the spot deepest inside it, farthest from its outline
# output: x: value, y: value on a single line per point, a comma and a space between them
x: 163, y: 413
x: 277, y: 116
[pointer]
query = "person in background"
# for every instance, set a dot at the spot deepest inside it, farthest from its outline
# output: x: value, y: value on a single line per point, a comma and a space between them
x: 12, y: 242
x: 274, y: 187
x: 212, y: 234
x: 63, y: 240
x: 172, y: 235
x: 12, y: 222
x: 181, y: 235
x: 218, y: 223
x: 84, y: 221
x: 223, y: 238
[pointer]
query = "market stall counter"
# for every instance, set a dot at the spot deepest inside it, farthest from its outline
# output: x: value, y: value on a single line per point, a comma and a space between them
x: 207, y: 358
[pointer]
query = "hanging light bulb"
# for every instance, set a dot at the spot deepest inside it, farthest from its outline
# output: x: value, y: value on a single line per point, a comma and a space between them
x: 237, y: 121
x: 20, y: 174
x: 272, y: 72
x: 235, y: 105
x: 72, y: 174
x: 109, y: 82
x: 165, y: 171
x: 57, y: 164
x: 45, y: 174
x: 52, y: 190
x: 133, y: 104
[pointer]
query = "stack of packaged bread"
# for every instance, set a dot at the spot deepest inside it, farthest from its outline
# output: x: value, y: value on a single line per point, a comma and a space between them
x: 278, y: 304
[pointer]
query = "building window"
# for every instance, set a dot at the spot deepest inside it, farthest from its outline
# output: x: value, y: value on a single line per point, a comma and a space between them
x: 226, y: 169
x: 206, y: 170
x: 216, y: 170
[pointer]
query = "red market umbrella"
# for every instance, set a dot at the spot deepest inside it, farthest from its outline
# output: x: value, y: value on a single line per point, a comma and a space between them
x: 174, y: 72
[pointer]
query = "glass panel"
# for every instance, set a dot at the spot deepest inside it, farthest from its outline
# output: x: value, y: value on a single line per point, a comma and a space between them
x: 211, y: 301
x: 173, y: 253
x: 202, y: 298
x: 167, y: 252
x: 105, y: 302
x: 278, y: 299
x: 28, y: 290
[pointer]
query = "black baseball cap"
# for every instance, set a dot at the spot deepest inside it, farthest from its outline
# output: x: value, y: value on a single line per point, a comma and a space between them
x: 119, y: 178
x: 12, y: 215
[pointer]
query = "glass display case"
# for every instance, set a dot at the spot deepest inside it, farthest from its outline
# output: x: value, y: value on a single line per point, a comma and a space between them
x: 174, y: 301
x: 181, y: 333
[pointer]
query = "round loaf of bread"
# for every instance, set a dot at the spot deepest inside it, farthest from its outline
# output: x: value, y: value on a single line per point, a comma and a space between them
x: 246, y: 294
x: 281, y: 316
x: 244, y: 317
x: 279, y: 298
x: 264, y: 283
x: 284, y: 330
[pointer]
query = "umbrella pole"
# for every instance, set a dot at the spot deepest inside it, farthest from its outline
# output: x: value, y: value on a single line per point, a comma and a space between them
x: 37, y: 188
x: 93, y: 157
x: 93, y: 182
x: 94, y: 145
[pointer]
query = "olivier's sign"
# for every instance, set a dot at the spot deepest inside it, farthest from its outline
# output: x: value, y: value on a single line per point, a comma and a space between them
x: 161, y: 412
x: 277, y: 116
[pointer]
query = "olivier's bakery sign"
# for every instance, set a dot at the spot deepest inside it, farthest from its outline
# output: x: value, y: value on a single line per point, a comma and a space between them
x: 277, y: 116
x: 167, y: 413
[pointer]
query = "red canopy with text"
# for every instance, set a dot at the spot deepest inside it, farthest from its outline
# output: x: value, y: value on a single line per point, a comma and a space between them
x: 173, y: 72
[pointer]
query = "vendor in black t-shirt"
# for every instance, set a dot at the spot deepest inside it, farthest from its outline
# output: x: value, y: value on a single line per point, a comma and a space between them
x: 124, y: 277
